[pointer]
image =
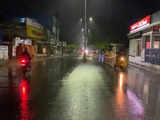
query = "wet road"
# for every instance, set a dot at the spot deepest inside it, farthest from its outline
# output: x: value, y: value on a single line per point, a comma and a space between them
x: 66, y: 89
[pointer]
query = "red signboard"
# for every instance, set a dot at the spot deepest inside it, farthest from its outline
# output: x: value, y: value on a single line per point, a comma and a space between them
x: 140, y: 24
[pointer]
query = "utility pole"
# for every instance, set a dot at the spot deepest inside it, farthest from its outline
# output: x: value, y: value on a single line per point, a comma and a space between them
x: 56, y: 31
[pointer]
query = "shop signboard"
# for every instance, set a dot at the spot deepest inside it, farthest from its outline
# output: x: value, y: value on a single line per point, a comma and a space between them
x: 34, y: 29
x: 140, y: 24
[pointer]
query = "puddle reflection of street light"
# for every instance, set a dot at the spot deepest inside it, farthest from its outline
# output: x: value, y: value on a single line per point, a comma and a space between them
x: 121, y: 80
x: 120, y: 96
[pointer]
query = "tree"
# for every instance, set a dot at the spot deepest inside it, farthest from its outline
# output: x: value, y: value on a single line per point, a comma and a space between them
x: 72, y: 46
x: 99, y: 39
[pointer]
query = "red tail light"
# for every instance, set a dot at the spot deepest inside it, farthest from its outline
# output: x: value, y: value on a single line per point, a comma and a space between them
x: 23, y: 61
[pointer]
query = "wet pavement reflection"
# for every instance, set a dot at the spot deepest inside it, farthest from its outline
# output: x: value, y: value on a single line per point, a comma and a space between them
x: 25, y: 113
x: 145, y: 85
x: 66, y: 88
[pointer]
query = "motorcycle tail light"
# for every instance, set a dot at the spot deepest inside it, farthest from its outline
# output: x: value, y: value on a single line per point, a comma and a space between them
x: 23, y: 61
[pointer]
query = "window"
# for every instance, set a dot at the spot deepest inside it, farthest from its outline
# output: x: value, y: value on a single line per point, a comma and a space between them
x: 156, y: 43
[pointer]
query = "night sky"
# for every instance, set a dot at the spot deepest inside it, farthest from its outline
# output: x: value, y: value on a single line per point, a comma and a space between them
x: 112, y: 17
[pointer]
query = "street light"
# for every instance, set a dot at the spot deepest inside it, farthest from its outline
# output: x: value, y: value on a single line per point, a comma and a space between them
x: 88, y: 20
x: 81, y: 20
x: 82, y: 29
x: 85, y: 29
x: 85, y: 23
x: 91, y: 19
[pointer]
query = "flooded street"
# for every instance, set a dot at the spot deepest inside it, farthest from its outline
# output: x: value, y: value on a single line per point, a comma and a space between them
x: 65, y: 88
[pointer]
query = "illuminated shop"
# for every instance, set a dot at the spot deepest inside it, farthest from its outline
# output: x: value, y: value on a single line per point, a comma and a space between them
x: 144, y: 41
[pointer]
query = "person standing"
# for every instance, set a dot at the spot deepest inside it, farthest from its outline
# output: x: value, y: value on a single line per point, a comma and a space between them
x: 99, y: 56
x: 102, y: 56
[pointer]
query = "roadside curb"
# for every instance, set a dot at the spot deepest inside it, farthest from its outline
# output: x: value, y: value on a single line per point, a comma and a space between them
x: 144, y: 68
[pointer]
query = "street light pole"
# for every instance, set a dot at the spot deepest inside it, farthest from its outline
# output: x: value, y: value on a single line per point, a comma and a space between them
x: 85, y: 43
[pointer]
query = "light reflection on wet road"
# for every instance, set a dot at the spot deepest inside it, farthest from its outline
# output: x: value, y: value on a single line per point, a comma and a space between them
x: 65, y: 88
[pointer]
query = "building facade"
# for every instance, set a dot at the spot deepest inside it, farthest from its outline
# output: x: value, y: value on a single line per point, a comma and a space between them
x: 144, y: 41
x: 25, y: 32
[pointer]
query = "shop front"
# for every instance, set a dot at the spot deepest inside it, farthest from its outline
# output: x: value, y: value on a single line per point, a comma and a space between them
x: 144, y: 41
x: 20, y: 34
x: 35, y: 31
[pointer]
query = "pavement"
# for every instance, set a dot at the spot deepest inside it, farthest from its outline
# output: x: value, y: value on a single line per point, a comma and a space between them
x: 148, y: 67
x: 66, y: 88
